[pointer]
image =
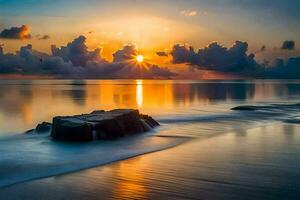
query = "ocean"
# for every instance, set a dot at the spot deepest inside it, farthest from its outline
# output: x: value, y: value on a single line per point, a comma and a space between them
x: 202, y: 150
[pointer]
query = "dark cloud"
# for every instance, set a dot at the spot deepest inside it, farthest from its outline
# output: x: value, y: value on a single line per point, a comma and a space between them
x: 162, y: 54
x: 217, y: 57
x: 288, y: 45
x: 77, y: 52
x: 19, y: 33
x: 288, y: 69
x: 75, y: 61
x: 128, y: 52
x: 43, y: 37
x: 182, y: 54
x: 235, y: 60
x: 29, y: 61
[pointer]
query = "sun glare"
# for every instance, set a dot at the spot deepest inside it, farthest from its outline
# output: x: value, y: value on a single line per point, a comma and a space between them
x: 140, y: 58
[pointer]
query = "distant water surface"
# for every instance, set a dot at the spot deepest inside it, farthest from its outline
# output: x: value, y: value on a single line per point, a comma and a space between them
x: 25, y: 103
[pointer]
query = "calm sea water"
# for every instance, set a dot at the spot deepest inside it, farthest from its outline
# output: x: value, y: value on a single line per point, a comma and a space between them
x: 209, y: 151
x: 24, y: 104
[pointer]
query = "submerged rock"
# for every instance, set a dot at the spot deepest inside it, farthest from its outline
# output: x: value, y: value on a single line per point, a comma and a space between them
x: 101, y: 125
x: 247, y: 108
x: 273, y: 107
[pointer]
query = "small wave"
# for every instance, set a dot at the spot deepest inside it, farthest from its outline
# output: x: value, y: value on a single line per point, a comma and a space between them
x: 218, y: 117
x: 30, y: 157
x: 254, y: 113
x: 292, y: 120
x: 270, y: 107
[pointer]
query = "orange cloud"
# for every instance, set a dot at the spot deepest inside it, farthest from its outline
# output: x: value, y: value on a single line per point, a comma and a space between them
x: 19, y: 33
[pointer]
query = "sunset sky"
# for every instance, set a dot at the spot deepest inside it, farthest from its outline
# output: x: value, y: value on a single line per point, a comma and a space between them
x: 154, y: 26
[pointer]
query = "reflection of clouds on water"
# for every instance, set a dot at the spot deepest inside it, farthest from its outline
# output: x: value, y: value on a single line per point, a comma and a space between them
x: 16, y: 102
x: 23, y: 104
x: 77, y: 92
x: 214, y: 91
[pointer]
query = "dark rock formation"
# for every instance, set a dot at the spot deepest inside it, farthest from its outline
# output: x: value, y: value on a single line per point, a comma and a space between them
x: 267, y: 107
x: 247, y: 108
x: 149, y: 120
x: 101, y: 125
x: 43, y: 127
x: 29, y: 131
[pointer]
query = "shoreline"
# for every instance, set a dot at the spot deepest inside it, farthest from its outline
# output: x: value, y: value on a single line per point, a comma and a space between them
x: 181, y: 141
x: 170, y: 141
x: 228, y: 162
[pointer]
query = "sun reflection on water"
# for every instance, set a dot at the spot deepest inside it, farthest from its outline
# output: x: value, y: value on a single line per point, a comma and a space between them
x: 139, y: 93
x: 130, y: 183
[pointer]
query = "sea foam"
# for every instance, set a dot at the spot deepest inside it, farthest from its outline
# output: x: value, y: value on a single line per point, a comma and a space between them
x: 32, y: 156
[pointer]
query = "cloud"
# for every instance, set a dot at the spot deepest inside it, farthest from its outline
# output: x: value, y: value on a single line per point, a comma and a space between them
x: 235, y: 60
x: 29, y: 61
x: 76, y: 61
x: 42, y: 37
x: 182, y: 54
x: 19, y: 33
x: 162, y: 54
x: 77, y: 52
x: 128, y: 68
x: 288, y: 69
x: 288, y: 45
x: 216, y: 57
x: 189, y: 13
x: 263, y: 48
x: 128, y: 52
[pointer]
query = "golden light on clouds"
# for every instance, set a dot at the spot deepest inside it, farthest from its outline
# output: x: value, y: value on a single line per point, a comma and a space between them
x: 147, y: 32
x: 189, y: 13
x: 25, y: 33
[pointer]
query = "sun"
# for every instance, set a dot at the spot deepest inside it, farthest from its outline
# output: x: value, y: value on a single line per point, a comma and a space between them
x: 140, y: 58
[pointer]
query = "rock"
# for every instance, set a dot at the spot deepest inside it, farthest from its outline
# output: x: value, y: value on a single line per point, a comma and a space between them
x: 71, y: 129
x: 247, y: 108
x: 101, y: 125
x: 29, y: 131
x: 43, y: 127
x: 267, y: 107
x: 149, y: 120
x: 97, y: 112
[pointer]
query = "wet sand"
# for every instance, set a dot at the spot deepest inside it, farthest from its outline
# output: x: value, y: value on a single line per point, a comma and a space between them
x: 259, y: 163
